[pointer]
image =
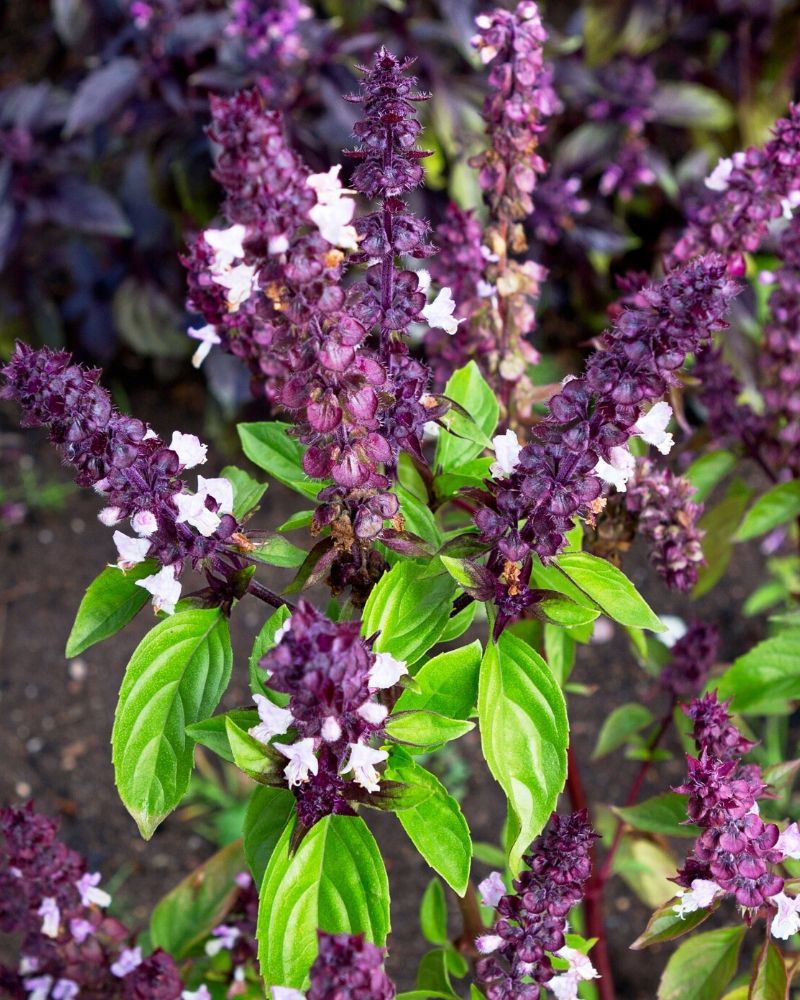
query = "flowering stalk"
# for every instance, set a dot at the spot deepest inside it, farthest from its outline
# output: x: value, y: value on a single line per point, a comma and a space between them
x: 346, y: 966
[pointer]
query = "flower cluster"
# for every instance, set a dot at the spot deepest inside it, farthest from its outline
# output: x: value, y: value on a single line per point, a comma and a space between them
x: 127, y: 463
x: 332, y: 679
x: 749, y: 191
x: 692, y: 658
x: 69, y: 947
x: 236, y: 936
x: 733, y: 853
x: 269, y: 31
x: 558, y: 475
x: 532, y: 920
x: 667, y: 517
x: 347, y: 966
x: 520, y: 96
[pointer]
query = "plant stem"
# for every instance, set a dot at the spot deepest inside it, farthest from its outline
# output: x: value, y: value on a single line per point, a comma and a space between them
x: 472, y: 923
x: 593, y: 899
x: 268, y: 596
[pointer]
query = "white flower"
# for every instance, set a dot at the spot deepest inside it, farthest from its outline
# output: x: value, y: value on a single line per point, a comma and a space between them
x: 274, y: 720
x: 285, y: 993
x: 492, y: 889
x: 127, y: 960
x: 244, y: 880
x: 484, y: 289
x: 386, y: 671
x: 224, y: 938
x: 362, y: 763
x: 282, y: 630
x: 789, y: 842
x: 240, y: 282
x: 699, y: 897
x: 373, y: 712
x: 333, y: 211
x: 201, y: 993
x: 80, y: 929
x: 619, y: 470
x: 220, y: 490
x: 488, y: 943
x: 652, y: 427
x: 579, y: 964
x: 164, y: 587
x: 507, y: 451
x: 676, y: 629
x: 144, y: 523
x: 192, y: 510
x: 27, y: 965
x: 431, y: 430
x: 227, y: 244
x: 423, y: 279
x: 130, y: 551
x: 302, y: 761
x: 788, y: 205
x: 717, y: 180
x: 39, y: 988
x: 189, y: 449
x: 331, y: 730
x: 65, y: 989
x: 439, y: 313
x: 787, y: 920
x: 278, y: 244
x: 564, y: 986
x: 208, y: 337
x: 87, y: 887
x: 110, y: 516
x: 51, y: 916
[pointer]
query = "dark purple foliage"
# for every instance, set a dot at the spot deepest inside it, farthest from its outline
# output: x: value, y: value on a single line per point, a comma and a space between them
x: 692, y: 658
x: 349, y: 968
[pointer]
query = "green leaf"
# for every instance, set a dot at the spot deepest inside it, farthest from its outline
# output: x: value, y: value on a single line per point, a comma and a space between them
x: 418, y: 518
x: 265, y: 640
x: 249, y: 754
x: 176, y: 676
x: 409, y: 610
x: 563, y: 611
x: 691, y: 105
x: 770, y: 979
x: 247, y: 492
x: 447, y: 683
x: 275, y: 550
x: 719, y: 525
x: 270, y: 446
x: 301, y: 519
x: 437, y: 827
x: 335, y: 882
x: 433, y: 974
x: 469, y: 389
x: 617, y: 729
x: 433, y: 913
x: 111, y: 600
x: 213, y: 732
x: 268, y: 813
x: 488, y: 854
x: 610, y: 589
x: 661, y: 814
x: 185, y: 917
x: 559, y: 650
x: 765, y: 678
x: 702, y: 966
x: 666, y: 924
x: 458, y: 624
x: 473, y: 473
x: 524, y: 733
x: 775, y: 507
x: 425, y: 729
x: 706, y: 471
x: 646, y: 867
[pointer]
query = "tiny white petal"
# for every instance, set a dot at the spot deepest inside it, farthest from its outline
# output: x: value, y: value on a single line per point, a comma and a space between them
x: 240, y: 283
x: 579, y: 964
x: 39, y: 988
x: 144, y: 523
x: 274, y: 719
x: 676, y: 629
x: 331, y: 730
x: 278, y: 244
x: 485, y: 289
x: 507, y: 449
x: 130, y: 551
x: 423, y: 279
x: 127, y: 960
x: 189, y: 449
x: 51, y: 916
x: 492, y: 889
x: 786, y: 921
x: 373, y: 712
x: 227, y: 244
x: 652, y: 427
x: 333, y: 221
x: 386, y: 671
x: 110, y: 516
x: 220, y: 490
x: 619, y: 470
x: 282, y: 630
x: 699, y: 897
x: 361, y: 762
x: 439, y: 313
x: 564, y: 986
x: 192, y: 510
x: 201, y: 993
x: 285, y: 993
x: 87, y: 885
x: 302, y: 761
x: 789, y: 842
x: 718, y: 179
x: 164, y: 587
x: 487, y: 943
x: 27, y: 965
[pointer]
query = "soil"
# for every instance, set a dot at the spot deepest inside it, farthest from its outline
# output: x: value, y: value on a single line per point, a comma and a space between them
x: 57, y: 715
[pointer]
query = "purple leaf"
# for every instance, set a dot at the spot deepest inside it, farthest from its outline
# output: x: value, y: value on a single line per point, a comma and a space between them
x: 100, y: 94
x: 76, y: 204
